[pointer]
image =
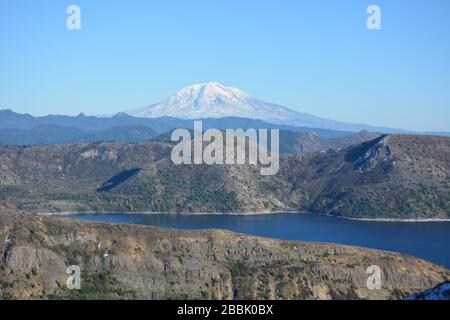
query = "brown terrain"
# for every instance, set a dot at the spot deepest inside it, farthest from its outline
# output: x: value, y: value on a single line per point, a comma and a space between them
x: 136, y: 262
x: 392, y: 176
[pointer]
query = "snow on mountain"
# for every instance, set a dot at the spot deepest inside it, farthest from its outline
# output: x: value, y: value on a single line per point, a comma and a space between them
x: 213, y: 100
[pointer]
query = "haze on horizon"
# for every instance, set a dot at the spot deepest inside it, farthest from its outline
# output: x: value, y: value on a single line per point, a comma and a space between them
x: 315, y: 57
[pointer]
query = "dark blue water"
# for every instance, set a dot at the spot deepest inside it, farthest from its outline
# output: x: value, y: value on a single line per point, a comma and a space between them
x: 427, y: 240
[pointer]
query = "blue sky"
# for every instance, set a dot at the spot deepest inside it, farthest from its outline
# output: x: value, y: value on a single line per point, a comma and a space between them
x: 312, y: 56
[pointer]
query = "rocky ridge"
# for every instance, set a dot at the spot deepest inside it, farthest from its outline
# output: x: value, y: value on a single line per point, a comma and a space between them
x: 135, y: 262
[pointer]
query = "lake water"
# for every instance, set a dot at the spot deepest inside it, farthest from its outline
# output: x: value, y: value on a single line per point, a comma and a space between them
x: 427, y: 240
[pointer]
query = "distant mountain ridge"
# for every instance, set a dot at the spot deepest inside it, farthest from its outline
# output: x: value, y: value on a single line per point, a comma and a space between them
x: 26, y: 129
x: 12, y: 120
x: 54, y: 134
x: 18, y: 129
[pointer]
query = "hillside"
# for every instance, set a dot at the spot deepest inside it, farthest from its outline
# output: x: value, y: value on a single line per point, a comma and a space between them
x: 135, y: 262
x: 401, y: 176
x: 393, y: 176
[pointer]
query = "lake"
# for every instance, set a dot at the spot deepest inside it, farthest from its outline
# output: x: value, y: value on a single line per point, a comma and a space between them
x: 427, y: 240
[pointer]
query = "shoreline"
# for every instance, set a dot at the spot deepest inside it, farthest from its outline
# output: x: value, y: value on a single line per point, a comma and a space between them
x: 411, y: 220
x: 396, y: 219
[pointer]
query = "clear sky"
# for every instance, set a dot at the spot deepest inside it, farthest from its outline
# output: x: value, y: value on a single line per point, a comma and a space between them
x: 314, y: 56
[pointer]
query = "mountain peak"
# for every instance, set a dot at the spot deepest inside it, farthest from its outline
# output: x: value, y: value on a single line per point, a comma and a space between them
x: 213, y: 89
x: 214, y: 100
x: 208, y: 95
x: 121, y: 115
x: 206, y: 85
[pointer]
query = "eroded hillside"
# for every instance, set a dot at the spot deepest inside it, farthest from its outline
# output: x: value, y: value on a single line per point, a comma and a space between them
x: 392, y: 176
x: 126, y: 261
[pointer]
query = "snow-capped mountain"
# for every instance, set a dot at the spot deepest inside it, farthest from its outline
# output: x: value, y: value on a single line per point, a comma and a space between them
x: 213, y: 100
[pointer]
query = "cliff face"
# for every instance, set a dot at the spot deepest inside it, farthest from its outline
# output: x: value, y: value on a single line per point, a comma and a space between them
x: 126, y: 261
x: 392, y: 176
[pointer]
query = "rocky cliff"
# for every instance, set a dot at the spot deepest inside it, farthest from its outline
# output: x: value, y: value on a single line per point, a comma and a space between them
x: 135, y: 262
